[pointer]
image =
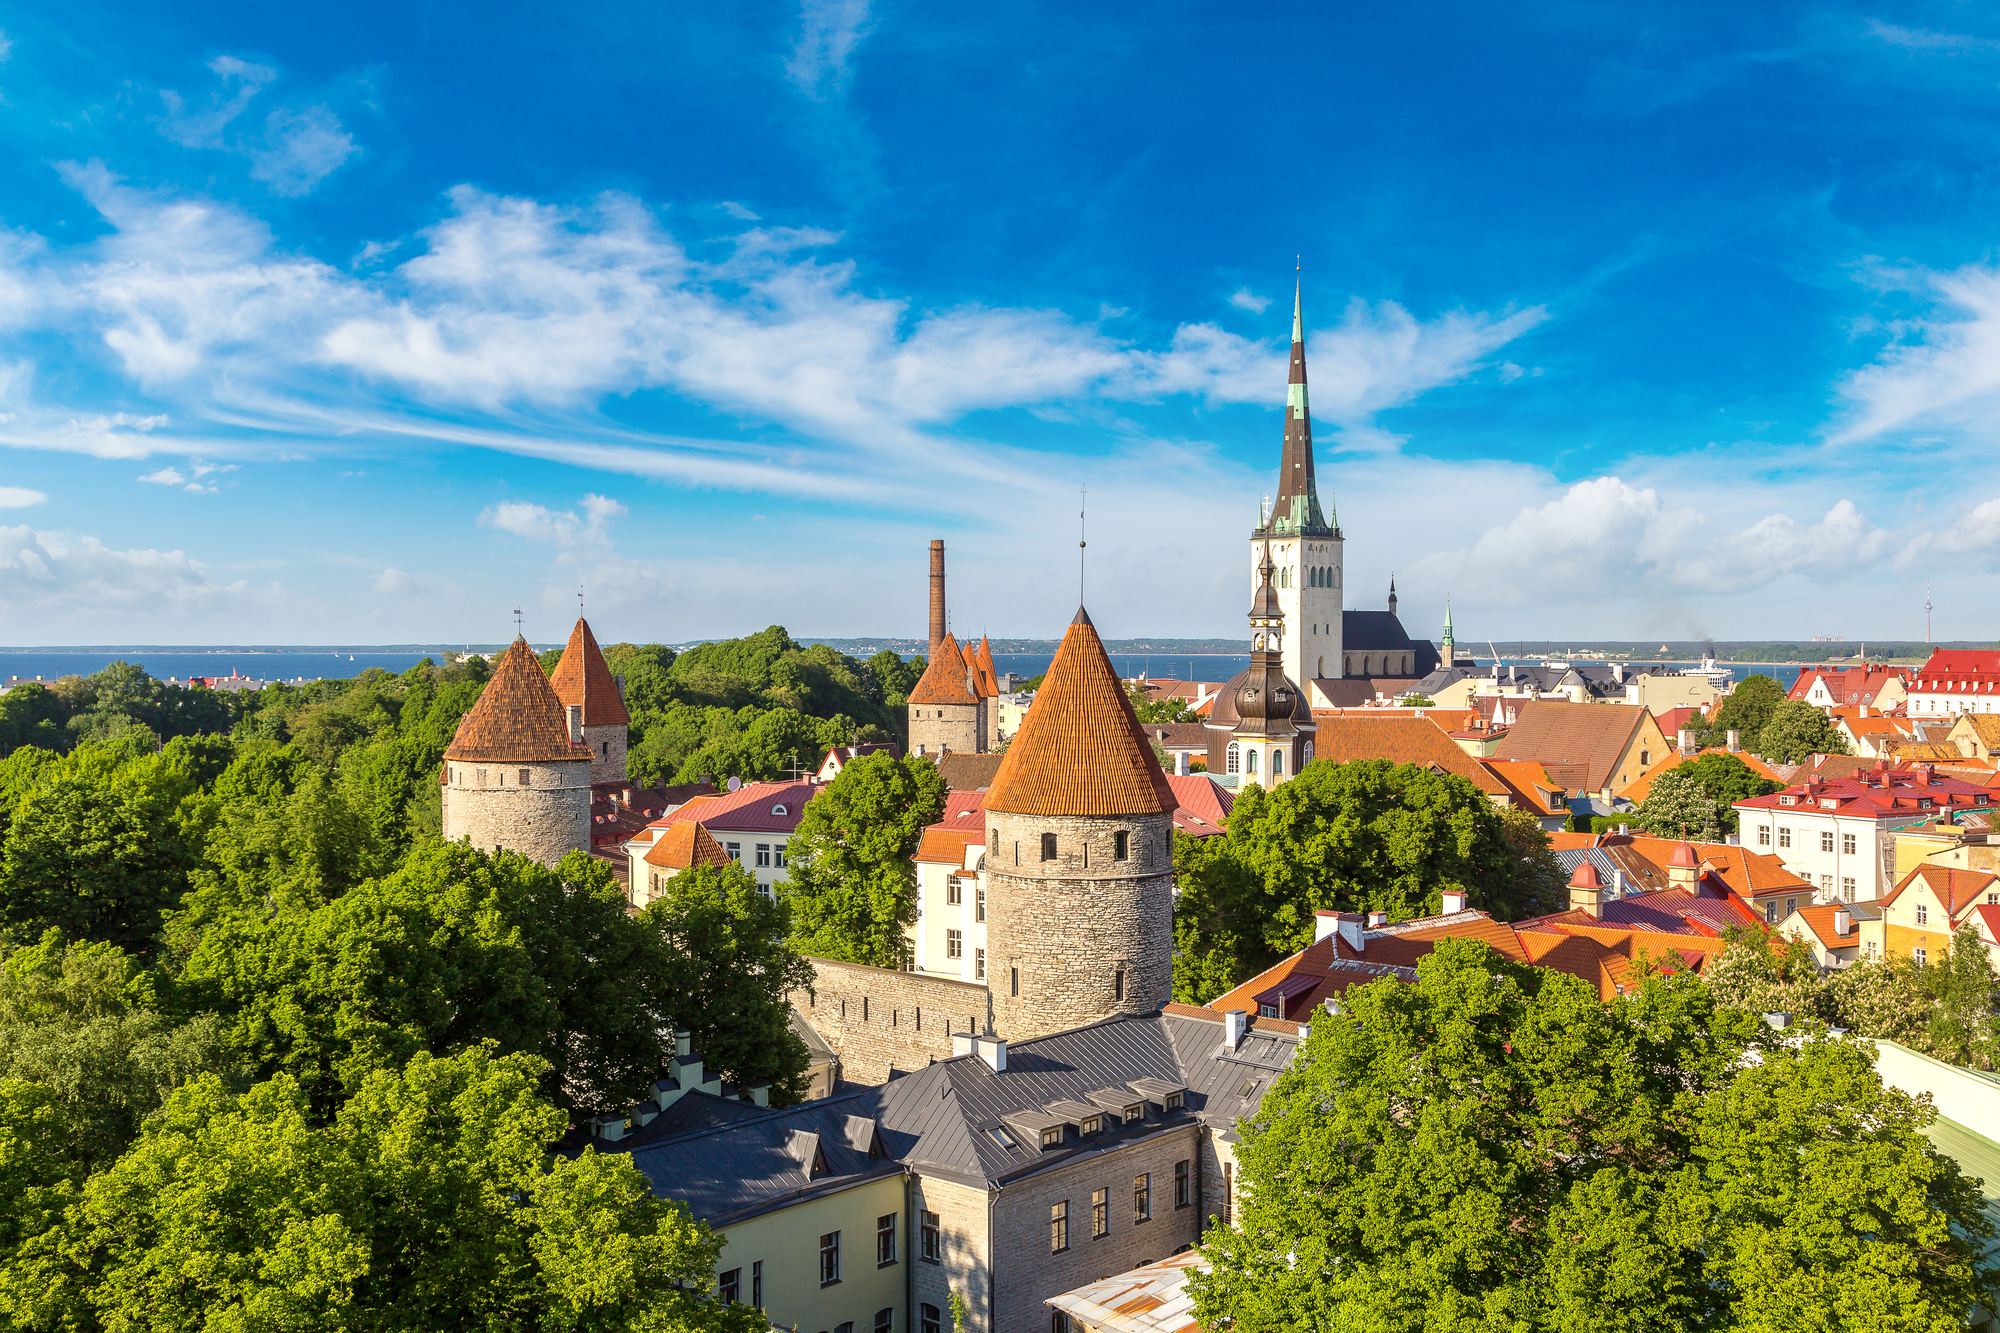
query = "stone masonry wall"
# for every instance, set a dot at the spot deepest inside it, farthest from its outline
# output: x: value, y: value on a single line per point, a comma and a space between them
x: 607, y: 753
x: 877, y: 1019
x: 960, y: 728
x: 488, y: 805
x: 965, y: 1249
x: 1065, y: 928
x: 1026, y: 1273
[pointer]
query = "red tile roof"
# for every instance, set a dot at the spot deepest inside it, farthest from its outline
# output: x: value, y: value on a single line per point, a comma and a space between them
x: 1080, y: 750
x: 581, y: 677
x: 517, y: 719
x: 1958, y: 671
x: 1956, y: 889
x: 1819, y: 920
x: 1594, y: 735
x: 944, y: 679
x: 1530, y: 783
x: 1750, y: 874
x: 1201, y: 804
x: 1389, y: 951
x: 1876, y: 793
x: 945, y: 842
x: 685, y: 845
x: 1848, y: 685
x: 758, y: 807
x: 1406, y: 739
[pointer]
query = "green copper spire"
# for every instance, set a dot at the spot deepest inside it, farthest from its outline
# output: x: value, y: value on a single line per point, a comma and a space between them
x: 1296, y: 512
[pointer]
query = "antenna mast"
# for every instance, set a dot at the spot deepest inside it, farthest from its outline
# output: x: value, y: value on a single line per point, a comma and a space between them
x: 1082, y: 506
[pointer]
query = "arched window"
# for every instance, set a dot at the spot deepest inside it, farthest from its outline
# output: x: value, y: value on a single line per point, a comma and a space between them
x: 1285, y: 578
x: 1277, y: 763
x: 1048, y: 846
x: 1250, y: 762
x: 1235, y: 759
x: 1320, y: 671
x: 1308, y: 757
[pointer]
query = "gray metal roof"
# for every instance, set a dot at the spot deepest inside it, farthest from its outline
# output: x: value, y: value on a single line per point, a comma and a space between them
x: 752, y: 1166
x: 938, y: 1117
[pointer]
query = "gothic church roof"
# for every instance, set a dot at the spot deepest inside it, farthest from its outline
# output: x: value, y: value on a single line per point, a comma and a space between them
x: 518, y: 718
x: 944, y: 680
x: 581, y: 677
x: 1080, y: 750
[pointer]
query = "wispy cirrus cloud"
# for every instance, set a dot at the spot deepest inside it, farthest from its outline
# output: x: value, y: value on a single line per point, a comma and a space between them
x: 20, y: 497
x: 297, y: 147
x: 1941, y: 368
x: 829, y: 33
x: 513, y: 320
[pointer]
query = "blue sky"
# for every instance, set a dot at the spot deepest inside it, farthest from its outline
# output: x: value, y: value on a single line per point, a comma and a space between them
x: 1624, y: 321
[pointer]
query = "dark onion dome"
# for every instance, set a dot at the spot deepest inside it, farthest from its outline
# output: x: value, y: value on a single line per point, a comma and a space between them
x: 1264, y: 698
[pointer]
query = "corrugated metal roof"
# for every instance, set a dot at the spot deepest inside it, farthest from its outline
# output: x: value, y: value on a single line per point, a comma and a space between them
x: 754, y: 1165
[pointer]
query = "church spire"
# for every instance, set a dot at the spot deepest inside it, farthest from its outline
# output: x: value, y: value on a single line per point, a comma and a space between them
x: 1297, y: 511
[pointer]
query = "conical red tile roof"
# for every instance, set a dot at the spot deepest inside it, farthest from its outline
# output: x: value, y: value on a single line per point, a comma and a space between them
x: 518, y: 718
x: 989, y: 678
x: 582, y: 678
x: 684, y: 845
x: 1080, y: 750
x: 943, y: 680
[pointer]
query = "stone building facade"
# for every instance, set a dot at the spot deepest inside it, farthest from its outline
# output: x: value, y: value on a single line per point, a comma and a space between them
x: 516, y: 774
x: 1079, y: 918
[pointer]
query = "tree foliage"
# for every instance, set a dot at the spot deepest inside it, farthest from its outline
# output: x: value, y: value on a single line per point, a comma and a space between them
x: 428, y: 1203
x: 1796, y: 731
x: 852, y: 882
x: 1493, y: 1147
x: 1744, y: 710
x: 1678, y: 806
x: 1363, y: 836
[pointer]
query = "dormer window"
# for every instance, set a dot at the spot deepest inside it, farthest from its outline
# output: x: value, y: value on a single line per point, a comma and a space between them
x: 1137, y: 1110
x: 1091, y: 1125
x: 1001, y: 1137
x: 1174, y: 1101
x: 1052, y: 1138
x: 778, y: 810
x: 1788, y: 799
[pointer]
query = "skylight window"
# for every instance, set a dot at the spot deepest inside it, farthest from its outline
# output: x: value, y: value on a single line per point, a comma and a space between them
x: 1001, y: 1137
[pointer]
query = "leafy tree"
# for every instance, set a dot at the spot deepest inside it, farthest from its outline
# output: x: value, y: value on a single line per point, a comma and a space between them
x: 453, y: 949
x: 1678, y: 806
x: 1150, y: 709
x: 1795, y: 732
x: 32, y: 714
x: 428, y: 1204
x: 1727, y: 780
x: 97, y: 860
x: 1493, y: 1146
x: 852, y: 883
x: 77, y: 1021
x: 1367, y: 835
x: 735, y: 975
x: 302, y: 850
x: 896, y: 676
x: 1745, y: 710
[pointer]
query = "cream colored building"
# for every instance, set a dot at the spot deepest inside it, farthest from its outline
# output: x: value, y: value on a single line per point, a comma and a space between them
x: 1668, y: 691
x: 948, y: 938
x: 1839, y: 934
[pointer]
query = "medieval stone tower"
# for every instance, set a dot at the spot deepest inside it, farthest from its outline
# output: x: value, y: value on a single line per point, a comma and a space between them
x: 582, y: 680
x: 1079, y: 857
x: 516, y: 774
x: 951, y: 705
x: 1303, y: 542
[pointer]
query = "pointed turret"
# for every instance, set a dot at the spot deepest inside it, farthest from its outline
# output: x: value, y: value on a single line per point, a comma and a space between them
x: 518, y: 717
x: 946, y: 709
x: 581, y: 679
x: 1448, y: 650
x: 1080, y: 750
x: 1297, y: 510
x: 1392, y: 594
x: 516, y: 775
x: 945, y: 678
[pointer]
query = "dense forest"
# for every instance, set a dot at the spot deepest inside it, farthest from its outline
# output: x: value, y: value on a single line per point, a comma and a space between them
x: 268, y: 1044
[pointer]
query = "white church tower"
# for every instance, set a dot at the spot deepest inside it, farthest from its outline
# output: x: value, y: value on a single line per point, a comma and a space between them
x: 1304, y: 542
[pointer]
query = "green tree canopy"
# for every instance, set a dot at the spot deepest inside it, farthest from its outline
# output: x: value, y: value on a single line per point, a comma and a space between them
x: 1678, y: 806
x: 1363, y: 836
x: 429, y: 1203
x: 852, y: 883
x: 1493, y: 1147
x: 1796, y: 731
x: 1745, y: 710
x: 96, y: 859
x: 1727, y: 780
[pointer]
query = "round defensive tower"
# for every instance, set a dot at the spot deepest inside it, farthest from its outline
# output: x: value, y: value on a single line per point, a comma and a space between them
x: 1080, y: 856
x: 516, y: 774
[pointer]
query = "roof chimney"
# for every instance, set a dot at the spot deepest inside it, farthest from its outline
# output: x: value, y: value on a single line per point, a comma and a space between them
x: 1452, y: 901
x: 575, y: 724
x: 1377, y: 920
x: 1234, y: 1021
x: 1586, y: 890
x: 1687, y: 740
x: 1842, y: 921
x: 1324, y: 924
x: 1351, y: 931
x: 937, y: 598
x: 1735, y: 741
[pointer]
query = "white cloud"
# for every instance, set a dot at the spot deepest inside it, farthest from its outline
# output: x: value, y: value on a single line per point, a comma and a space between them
x: 1245, y: 299
x: 299, y: 146
x: 738, y: 211
x: 395, y: 583
x: 1939, y: 371
x: 6, y: 46
x: 1920, y: 39
x: 589, y: 526
x: 1604, y: 538
x: 69, y: 572
x: 20, y: 497
x: 301, y: 149
x: 829, y: 32
x: 166, y: 476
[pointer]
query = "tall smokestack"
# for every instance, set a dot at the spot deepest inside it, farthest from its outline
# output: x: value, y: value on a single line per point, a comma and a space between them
x: 937, y: 598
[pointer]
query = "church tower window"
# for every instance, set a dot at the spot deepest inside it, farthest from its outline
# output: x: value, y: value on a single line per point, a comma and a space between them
x: 1235, y: 759
x: 1250, y: 762
x: 1277, y: 763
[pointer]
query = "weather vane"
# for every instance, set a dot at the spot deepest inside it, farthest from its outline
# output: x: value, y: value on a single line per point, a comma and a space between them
x: 517, y: 623
x: 1082, y: 506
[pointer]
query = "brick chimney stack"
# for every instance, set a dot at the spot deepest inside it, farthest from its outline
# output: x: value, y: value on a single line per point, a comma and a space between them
x: 937, y: 598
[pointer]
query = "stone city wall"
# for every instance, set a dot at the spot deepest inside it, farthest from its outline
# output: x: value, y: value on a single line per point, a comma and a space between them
x: 1059, y: 933
x: 877, y: 1019
x: 544, y: 818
